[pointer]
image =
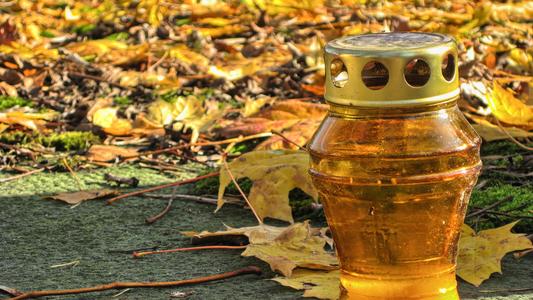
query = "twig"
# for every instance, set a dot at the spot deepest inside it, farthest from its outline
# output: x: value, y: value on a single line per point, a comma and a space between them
x: 511, y: 137
x: 493, y: 205
x: 141, y: 254
x: 99, y: 79
x: 153, y: 219
x: 78, y: 181
x: 499, y: 213
x: 199, y: 199
x: 123, y: 285
x: 2, y: 180
x: 212, y: 143
x: 164, y: 186
x: 507, y: 290
x: 131, y: 181
x: 225, y: 163
x: 10, y: 291
x: 288, y: 140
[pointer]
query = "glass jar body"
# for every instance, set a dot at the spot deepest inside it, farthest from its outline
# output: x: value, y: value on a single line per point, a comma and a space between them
x: 395, y: 184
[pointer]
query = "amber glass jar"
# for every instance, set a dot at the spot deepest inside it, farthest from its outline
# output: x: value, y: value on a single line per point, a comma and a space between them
x: 394, y: 162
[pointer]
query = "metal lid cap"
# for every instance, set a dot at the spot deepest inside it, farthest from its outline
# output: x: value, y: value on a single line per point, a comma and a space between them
x: 395, y: 69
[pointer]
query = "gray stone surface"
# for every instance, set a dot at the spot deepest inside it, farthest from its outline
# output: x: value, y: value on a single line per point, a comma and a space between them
x: 36, y: 234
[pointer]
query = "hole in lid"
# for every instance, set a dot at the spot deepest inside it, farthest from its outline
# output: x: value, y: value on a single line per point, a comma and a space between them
x: 375, y: 75
x: 448, y: 67
x: 339, y: 74
x: 417, y: 72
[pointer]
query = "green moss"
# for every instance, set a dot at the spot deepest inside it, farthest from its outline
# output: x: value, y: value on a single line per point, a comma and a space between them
x: 84, y: 29
x: 69, y: 141
x: 501, y: 148
x: 16, y: 137
x: 520, y: 205
x: 119, y: 36
x: 9, y: 102
x: 122, y: 101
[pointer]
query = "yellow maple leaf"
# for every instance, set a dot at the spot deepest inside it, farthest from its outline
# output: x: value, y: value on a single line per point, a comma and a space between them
x: 295, y: 247
x: 480, y: 254
x: 317, y: 284
x: 508, y: 109
x: 274, y: 175
x: 259, y: 234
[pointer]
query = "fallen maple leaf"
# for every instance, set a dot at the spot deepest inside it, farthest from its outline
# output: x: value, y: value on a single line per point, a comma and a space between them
x: 295, y: 247
x: 77, y: 197
x: 296, y: 120
x: 491, y: 132
x: 317, y: 284
x: 259, y: 234
x: 508, y: 109
x: 480, y: 254
x: 274, y: 174
x: 105, y: 153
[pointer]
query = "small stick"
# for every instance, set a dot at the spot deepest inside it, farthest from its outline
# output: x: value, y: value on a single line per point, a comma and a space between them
x: 288, y: 140
x: 511, y: 137
x: 131, y: 181
x: 144, y: 253
x: 2, y: 180
x: 164, y: 186
x: 493, y: 205
x: 239, y: 188
x: 153, y: 219
x: 212, y: 143
x: 123, y: 285
x: 78, y: 181
x: 199, y: 199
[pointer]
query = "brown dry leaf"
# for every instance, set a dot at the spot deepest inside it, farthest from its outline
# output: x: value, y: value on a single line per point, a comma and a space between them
x: 77, y: 197
x: 490, y: 132
x: 274, y: 174
x: 259, y: 234
x: 295, y: 247
x: 184, y: 113
x: 105, y: 153
x: 109, y: 121
x: 34, y: 121
x: 317, y: 284
x: 480, y: 254
x: 508, y: 109
x: 296, y: 120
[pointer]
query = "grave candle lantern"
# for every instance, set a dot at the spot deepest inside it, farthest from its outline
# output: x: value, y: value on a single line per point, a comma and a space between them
x: 394, y: 162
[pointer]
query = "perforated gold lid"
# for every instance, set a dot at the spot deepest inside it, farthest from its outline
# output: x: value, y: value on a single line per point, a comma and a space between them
x: 391, y: 69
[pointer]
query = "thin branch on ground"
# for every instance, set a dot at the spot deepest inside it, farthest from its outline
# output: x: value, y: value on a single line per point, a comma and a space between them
x: 2, y: 180
x: 216, y: 247
x: 511, y: 137
x: 199, y: 199
x: 73, y: 174
x: 225, y: 164
x: 164, y: 186
x: 123, y: 285
x: 160, y: 215
x: 211, y: 143
x: 288, y: 140
x: 493, y: 205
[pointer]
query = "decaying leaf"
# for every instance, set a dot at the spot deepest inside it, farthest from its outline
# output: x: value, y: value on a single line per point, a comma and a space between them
x: 297, y: 120
x: 77, y: 197
x: 508, y: 109
x: 317, y: 284
x: 480, y: 254
x: 295, y: 247
x: 274, y: 174
x: 490, y: 132
x: 105, y: 153
x: 259, y: 234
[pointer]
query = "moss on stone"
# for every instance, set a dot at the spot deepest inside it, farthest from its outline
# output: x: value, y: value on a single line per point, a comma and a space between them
x: 68, y: 141
x: 10, y: 101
